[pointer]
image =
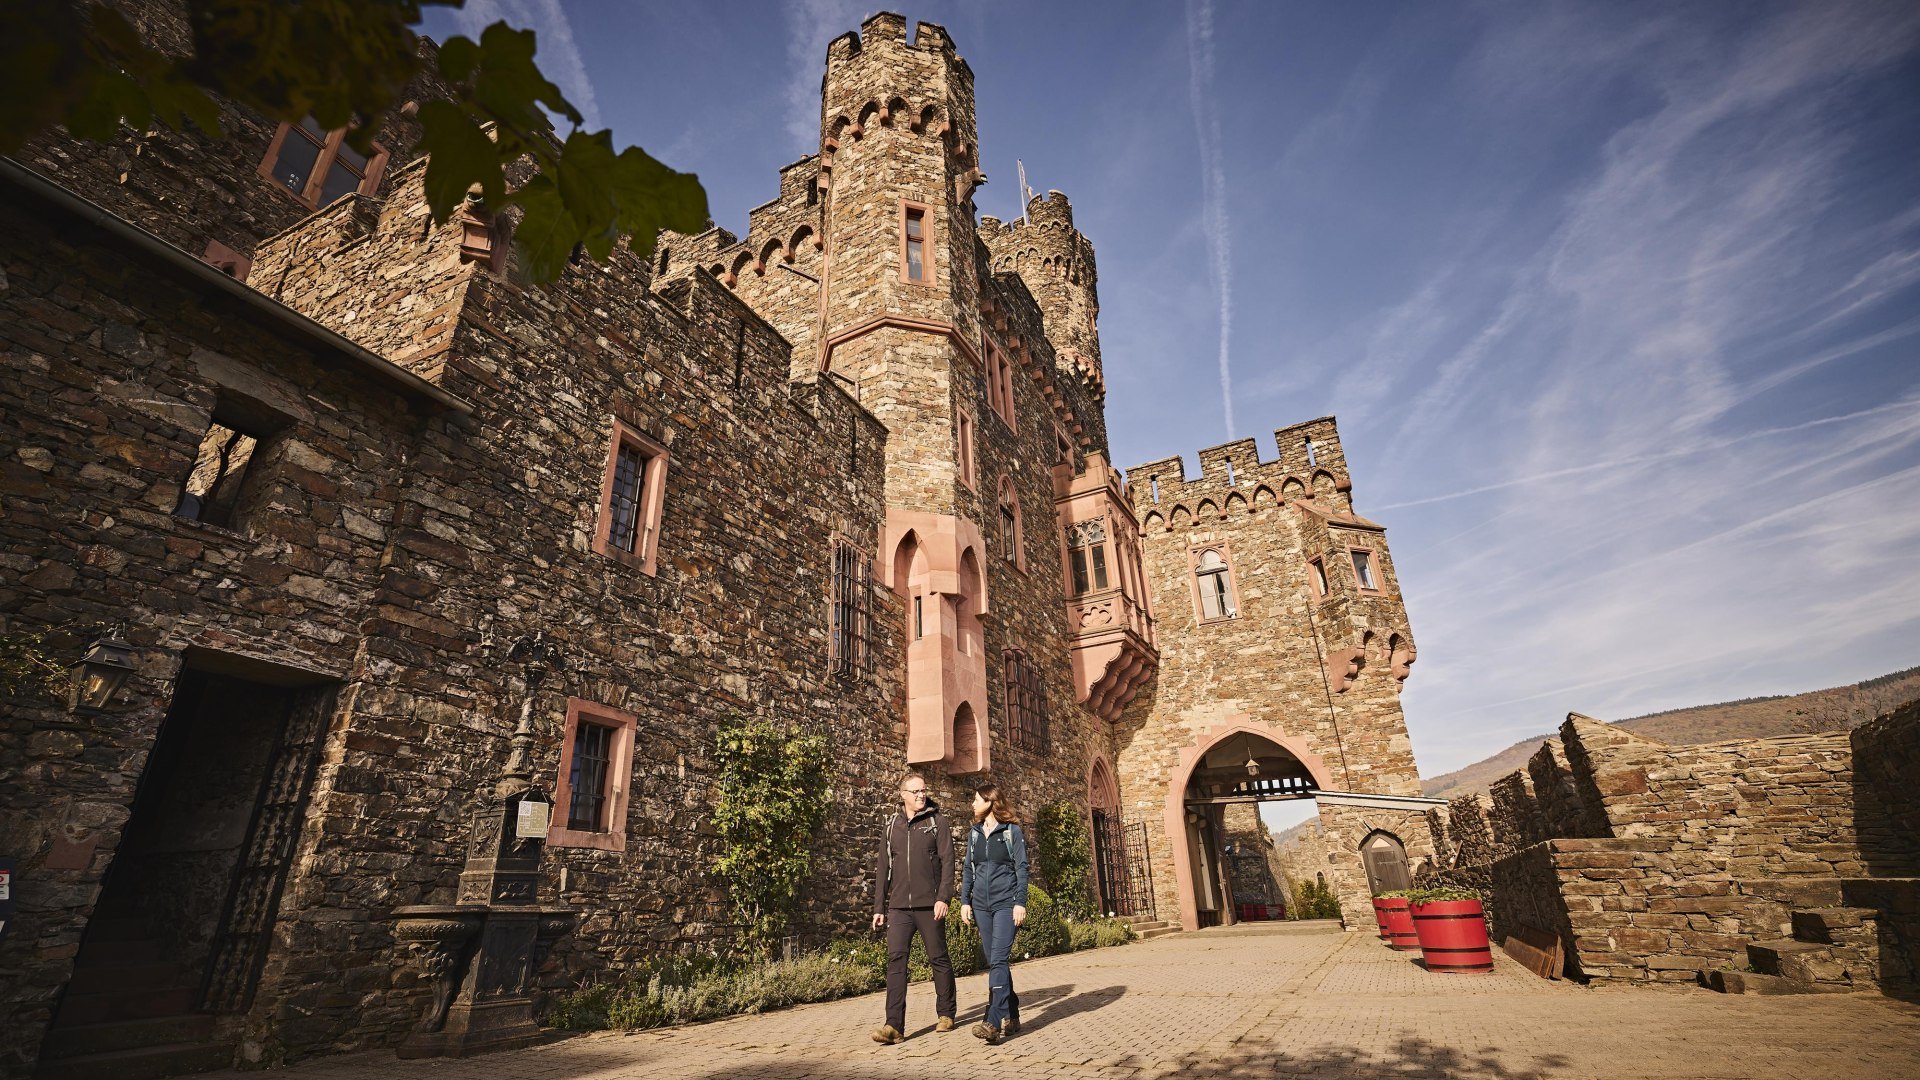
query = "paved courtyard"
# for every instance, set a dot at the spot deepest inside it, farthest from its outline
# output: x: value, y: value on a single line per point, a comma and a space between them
x: 1255, y: 1001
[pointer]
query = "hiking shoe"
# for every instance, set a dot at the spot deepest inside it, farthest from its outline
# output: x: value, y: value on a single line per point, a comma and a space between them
x: 1011, y: 1027
x: 945, y: 1024
x: 988, y: 1032
x: 887, y: 1034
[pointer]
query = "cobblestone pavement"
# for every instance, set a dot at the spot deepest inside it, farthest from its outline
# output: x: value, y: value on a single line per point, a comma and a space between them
x: 1255, y: 1001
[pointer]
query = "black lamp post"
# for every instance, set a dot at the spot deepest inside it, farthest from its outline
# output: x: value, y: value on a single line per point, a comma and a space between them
x: 101, y: 673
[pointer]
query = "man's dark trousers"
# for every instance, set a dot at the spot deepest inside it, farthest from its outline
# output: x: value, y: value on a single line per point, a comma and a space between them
x: 901, y: 925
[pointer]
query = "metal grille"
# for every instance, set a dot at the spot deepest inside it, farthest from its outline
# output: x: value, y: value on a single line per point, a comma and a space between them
x: 1126, y: 878
x: 629, y: 471
x: 586, y: 805
x: 238, y: 952
x: 1297, y: 786
x: 850, y: 645
x: 1026, y: 703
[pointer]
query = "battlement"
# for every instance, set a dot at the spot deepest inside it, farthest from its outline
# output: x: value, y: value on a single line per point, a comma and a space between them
x: 888, y: 29
x: 1056, y: 262
x: 1310, y: 465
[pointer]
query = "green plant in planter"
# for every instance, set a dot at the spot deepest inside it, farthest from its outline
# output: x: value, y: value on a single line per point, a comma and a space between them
x: 1441, y: 893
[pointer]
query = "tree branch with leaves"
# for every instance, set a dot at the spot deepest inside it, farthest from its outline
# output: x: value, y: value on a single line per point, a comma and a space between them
x: 772, y: 801
x: 346, y: 64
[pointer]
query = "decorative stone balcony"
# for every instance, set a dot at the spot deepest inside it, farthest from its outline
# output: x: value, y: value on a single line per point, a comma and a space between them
x: 1110, y: 624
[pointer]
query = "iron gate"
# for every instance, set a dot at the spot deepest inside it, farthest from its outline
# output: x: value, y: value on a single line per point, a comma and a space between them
x: 1126, y: 881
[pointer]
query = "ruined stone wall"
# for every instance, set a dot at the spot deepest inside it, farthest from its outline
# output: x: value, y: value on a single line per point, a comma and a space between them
x: 1886, y: 794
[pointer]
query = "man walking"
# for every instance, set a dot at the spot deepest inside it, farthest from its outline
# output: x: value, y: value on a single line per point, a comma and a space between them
x: 912, y: 885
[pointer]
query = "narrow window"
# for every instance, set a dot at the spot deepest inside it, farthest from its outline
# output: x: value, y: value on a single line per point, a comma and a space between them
x: 965, y: 427
x: 1230, y: 480
x: 588, y: 776
x: 1064, y: 446
x: 1317, y: 573
x: 1087, y: 550
x: 914, y: 241
x: 317, y: 166
x: 590, y: 793
x: 919, y: 618
x: 1363, y: 570
x: 631, y: 493
x: 999, y: 383
x: 1026, y: 702
x: 1009, y: 522
x: 1154, y: 482
x: 217, y: 488
x: 850, y: 645
x: 1313, y: 456
x: 1215, y: 590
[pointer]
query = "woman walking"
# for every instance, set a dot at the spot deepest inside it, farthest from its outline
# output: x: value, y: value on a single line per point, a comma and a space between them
x: 993, y: 894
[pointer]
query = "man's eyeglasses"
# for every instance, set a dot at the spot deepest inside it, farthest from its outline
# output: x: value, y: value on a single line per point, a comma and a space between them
x: 920, y: 791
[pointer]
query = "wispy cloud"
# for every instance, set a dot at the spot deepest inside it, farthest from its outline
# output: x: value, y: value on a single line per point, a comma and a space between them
x: 1213, y: 184
x: 810, y: 25
x: 558, y: 55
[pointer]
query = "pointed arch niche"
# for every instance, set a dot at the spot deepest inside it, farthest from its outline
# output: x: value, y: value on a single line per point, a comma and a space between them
x: 933, y: 563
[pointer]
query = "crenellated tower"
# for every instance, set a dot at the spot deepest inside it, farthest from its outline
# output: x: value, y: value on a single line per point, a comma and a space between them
x: 1055, y: 261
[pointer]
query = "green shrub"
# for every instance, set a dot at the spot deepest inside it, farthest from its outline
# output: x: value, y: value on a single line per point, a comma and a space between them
x: 963, y: 945
x: 1442, y: 892
x: 581, y: 1010
x: 1314, y: 900
x: 1044, y: 932
x: 1062, y: 858
x: 1083, y: 935
x: 1112, y: 932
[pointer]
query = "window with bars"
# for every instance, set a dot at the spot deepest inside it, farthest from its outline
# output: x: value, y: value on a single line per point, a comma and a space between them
x: 851, y: 644
x: 1087, y: 555
x: 317, y: 166
x: 632, y: 489
x: 588, y: 777
x: 1026, y: 702
x: 1009, y: 523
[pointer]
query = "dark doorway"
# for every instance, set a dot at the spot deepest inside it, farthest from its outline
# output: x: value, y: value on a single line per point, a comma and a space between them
x: 179, y: 931
x: 1386, y: 862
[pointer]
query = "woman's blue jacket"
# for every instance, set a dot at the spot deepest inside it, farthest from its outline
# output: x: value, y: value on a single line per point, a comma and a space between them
x: 994, y: 873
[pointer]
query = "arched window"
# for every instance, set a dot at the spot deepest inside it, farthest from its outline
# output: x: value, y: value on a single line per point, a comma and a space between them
x: 1087, y: 556
x: 1009, y: 523
x: 1026, y: 702
x: 1216, y: 588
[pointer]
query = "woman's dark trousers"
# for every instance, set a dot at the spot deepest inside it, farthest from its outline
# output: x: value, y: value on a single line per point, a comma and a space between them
x: 996, y: 941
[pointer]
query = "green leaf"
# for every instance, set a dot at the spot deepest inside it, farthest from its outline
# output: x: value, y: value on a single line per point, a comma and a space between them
x: 546, y: 235
x: 507, y: 84
x: 461, y: 156
x: 458, y: 57
x: 653, y: 197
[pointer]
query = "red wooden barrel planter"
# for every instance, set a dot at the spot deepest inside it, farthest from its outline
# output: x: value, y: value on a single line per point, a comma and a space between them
x: 1400, y: 932
x: 1453, y: 936
x: 1380, y: 917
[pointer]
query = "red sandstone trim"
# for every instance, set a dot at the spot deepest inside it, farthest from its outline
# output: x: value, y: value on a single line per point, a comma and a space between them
x: 619, y: 773
x: 1379, y: 573
x: 652, y: 501
x: 930, y: 276
x: 964, y: 432
x: 899, y: 322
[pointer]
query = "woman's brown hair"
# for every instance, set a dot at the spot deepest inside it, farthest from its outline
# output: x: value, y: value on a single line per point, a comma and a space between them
x: 999, y: 807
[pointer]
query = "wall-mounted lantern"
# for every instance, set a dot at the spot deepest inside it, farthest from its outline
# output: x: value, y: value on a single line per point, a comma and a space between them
x: 101, y: 673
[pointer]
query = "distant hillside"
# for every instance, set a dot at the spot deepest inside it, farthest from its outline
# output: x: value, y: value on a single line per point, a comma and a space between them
x: 1838, y: 709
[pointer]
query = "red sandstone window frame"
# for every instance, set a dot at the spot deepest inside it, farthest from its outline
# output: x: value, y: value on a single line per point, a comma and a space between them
x: 619, y: 778
x: 1195, y: 553
x: 929, y: 268
x: 329, y: 152
x: 653, y: 491
x: 999, y: 373
x: 963, y: 431
x: 1317, y: 577
x: 1374, y: 570
x: 1009, y: 500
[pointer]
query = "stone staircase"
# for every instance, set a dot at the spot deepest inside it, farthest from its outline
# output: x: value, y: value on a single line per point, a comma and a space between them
x: 1147, y: 927
x: 128, y: 1012
x: 1857, y: 942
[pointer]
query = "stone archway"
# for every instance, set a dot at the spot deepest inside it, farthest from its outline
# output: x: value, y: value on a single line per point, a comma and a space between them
x: 1272, y: 749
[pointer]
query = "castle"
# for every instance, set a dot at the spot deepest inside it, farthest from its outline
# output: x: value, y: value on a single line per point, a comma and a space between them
x: 367, y: 505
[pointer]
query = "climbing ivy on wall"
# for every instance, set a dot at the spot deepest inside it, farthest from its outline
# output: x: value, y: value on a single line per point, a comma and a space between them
x: 28, y: 668
x: 772, y: 802
x: 1064, y: 857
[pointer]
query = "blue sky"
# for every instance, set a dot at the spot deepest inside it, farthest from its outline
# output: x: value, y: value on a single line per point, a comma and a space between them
x: 1618, y: 304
